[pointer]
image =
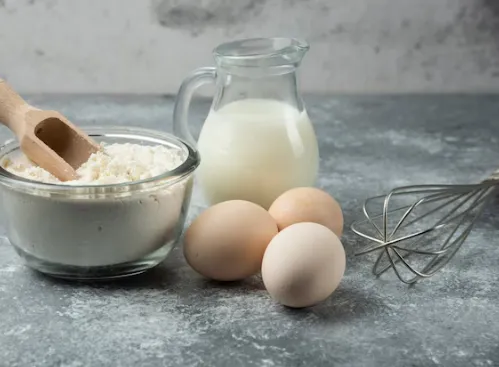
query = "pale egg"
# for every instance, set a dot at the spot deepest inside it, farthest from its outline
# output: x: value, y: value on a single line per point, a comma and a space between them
x: 227, y: 241
x: 307, y: 204
x: 303, y: 265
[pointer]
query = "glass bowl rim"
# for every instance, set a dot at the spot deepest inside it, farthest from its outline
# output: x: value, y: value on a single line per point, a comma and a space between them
x: 177, y: 174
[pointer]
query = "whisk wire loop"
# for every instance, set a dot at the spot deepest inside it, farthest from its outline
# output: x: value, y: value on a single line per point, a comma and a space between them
x: 430, y: 227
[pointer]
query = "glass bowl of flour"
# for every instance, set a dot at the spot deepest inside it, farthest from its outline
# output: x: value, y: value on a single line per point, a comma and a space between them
x: 122, y: 216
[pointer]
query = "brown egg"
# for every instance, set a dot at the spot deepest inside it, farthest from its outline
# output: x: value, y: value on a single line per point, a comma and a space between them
x: 303, y: 265
x: 307, y: 204
x: 228, y: 240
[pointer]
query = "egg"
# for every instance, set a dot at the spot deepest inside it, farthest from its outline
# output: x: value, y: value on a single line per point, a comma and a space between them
x: 303, y: 265
x: 307, y: 204
x: 227, y: 241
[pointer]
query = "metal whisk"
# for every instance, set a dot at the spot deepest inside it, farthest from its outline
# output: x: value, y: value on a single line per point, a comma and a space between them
x: 418, y: 229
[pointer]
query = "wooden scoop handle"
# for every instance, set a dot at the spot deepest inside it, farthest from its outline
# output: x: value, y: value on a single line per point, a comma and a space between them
x: 13, y: 108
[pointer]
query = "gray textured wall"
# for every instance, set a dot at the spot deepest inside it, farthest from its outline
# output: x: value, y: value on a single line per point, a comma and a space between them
x: 131, y: 46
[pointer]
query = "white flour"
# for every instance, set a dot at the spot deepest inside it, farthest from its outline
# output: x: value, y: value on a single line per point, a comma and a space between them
x: 94, y: 230
x: 115, y: 163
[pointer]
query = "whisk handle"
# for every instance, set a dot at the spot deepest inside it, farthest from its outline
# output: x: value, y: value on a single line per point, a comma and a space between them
x: 493, y: 177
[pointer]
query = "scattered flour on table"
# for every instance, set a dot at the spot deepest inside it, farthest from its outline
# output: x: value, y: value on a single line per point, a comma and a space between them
x: 114, y: 163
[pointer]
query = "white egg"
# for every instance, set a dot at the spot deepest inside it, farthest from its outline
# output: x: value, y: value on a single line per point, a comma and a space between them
x: 303, y: 265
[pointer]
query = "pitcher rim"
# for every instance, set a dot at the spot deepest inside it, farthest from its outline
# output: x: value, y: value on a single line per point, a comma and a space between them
x: 288, y: 50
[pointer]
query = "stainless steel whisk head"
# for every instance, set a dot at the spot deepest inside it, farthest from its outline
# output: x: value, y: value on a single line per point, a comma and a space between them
x: 417, y: 230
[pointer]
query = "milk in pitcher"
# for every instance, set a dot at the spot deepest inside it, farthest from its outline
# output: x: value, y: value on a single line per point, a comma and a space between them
x: 255, y: 149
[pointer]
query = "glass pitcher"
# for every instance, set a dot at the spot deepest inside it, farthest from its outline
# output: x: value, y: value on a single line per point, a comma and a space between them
x: 257, y: 140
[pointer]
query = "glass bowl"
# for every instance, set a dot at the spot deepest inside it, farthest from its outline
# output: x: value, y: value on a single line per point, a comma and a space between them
x: 99, y: 231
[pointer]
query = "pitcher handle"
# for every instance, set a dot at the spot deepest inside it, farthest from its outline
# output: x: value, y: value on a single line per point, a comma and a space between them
x: 193, y: 81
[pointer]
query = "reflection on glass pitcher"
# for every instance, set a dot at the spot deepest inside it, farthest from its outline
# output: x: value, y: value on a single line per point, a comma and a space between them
x: 257, y: 140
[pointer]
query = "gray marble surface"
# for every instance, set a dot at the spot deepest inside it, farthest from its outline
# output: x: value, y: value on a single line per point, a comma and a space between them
x: 360, y: 46
x: 171, y: 316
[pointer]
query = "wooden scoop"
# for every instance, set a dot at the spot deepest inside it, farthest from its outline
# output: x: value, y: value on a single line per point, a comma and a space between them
x: 46, y: 137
